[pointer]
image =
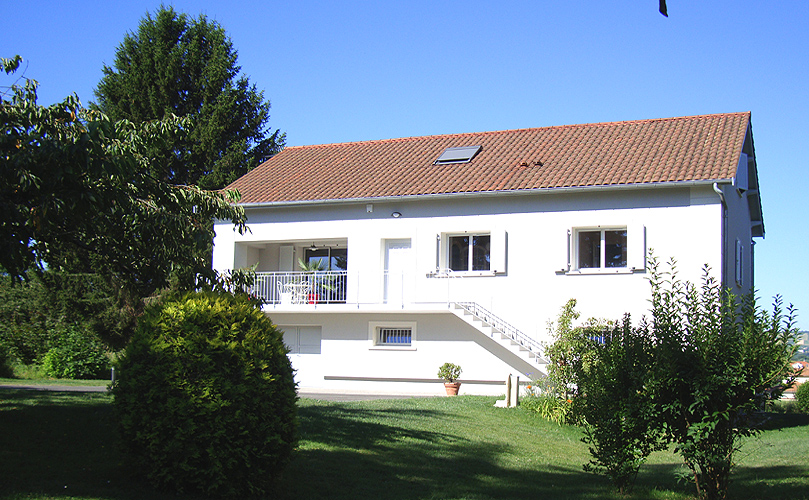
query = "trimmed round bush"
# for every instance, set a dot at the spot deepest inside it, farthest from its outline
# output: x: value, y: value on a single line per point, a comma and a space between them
x: 206, y: 399
x: 802, y: 397
x: 76, y: 355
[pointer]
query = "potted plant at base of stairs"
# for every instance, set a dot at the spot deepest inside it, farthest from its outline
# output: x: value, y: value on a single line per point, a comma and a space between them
x: 450, y: 372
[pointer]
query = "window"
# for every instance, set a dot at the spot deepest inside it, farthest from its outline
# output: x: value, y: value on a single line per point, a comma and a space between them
x: 469, y: 252
x: 331, y: 259
x: 392, y: 335
x: 302, y: 339
x: 602, y: 248
x: 462, y: 154
x: 395, y: 336
x: 475, y: 252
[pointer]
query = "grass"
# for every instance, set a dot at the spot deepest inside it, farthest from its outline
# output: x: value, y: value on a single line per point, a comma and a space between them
x: 62, y: 445
x: 33, y: 375
x: 53, y: 381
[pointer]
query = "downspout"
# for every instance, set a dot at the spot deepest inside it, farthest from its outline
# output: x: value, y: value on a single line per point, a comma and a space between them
x: 721, y: 194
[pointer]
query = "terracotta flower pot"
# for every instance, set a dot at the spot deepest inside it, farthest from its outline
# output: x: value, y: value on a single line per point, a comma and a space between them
x: 452, y: 388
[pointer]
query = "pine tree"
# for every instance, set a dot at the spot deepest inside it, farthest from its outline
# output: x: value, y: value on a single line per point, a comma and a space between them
x: 187, y: 67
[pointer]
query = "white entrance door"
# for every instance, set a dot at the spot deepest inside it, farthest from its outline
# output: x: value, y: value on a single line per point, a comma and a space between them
x: 398, y: 271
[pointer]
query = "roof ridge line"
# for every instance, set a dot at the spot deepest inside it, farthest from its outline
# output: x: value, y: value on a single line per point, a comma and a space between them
x: 492, y: 132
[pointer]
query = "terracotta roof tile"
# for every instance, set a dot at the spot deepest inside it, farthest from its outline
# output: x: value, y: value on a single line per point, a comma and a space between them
x: 695, y: 148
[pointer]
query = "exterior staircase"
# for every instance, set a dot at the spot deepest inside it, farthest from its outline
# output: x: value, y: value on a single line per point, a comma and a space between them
x: 501, y: 332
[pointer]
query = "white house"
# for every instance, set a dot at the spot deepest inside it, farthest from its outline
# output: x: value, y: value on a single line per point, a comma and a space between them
x: 462, y: 247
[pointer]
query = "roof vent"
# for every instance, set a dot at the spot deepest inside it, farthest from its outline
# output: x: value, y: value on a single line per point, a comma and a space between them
x: 462, y: 154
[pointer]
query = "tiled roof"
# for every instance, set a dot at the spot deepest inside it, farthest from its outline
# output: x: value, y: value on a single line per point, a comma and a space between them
x: 695, y: 148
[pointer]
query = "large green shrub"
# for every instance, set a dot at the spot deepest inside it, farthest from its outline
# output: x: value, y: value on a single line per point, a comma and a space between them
x: 76, y: 354
x: 716, y: 359
x: 25, y: 316
x: 206, y: 399
x: 6, y: 371
x: 621, y: 423
x: 802, y: 398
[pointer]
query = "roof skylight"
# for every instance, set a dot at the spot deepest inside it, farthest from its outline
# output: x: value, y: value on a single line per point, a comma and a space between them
x: 462, y: 154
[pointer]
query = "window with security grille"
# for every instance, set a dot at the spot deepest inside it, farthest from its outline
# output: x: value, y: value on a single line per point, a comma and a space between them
x: 394, y: 336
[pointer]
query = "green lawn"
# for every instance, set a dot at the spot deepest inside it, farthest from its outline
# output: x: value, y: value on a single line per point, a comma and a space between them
x: 62, y: 445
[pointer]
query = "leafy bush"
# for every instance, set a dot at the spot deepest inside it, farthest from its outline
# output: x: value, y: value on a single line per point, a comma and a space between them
x: 24, y: 318
x: 449, y: 372
x: 76, y: 355
x: 715, y: 359
x: 206, y: 399
x: 6, y: 371
x: 621, y: 423
x: 802, y: 398
x: 550, y: 407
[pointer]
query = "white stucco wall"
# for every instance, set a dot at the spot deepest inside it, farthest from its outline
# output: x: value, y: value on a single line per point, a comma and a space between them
x: 684, y: 223
x: 349, y: 361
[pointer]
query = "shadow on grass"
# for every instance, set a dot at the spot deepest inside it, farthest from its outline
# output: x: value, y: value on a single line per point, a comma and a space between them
x: 64, y: 445
x: 354, y: 453
x: 61, y: 444
x: 772, y: 421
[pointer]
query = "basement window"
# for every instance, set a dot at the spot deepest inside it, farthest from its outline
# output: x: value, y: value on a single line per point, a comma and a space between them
x: 395, y: 336
x: 462, y: 154
x: 392, y: 335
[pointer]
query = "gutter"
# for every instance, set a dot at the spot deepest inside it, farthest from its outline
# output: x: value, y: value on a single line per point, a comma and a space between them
x: 514, y: 192
x: 725, y: 271
x: 720, y: 193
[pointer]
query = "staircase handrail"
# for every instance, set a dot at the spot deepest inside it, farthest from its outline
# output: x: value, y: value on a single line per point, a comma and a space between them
x: 503, y: 326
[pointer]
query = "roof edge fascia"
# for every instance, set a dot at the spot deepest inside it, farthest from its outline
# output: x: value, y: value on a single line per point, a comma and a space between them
x: 512, y: 192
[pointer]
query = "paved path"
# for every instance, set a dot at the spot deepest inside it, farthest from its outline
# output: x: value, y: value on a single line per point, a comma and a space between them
x: 304, y: 393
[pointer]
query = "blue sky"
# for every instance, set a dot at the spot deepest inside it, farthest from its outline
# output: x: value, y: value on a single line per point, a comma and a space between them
x: 351, y: 71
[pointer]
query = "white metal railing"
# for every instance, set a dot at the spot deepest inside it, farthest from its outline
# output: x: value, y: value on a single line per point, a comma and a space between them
x: 299, y: 287
x: 503, y: 326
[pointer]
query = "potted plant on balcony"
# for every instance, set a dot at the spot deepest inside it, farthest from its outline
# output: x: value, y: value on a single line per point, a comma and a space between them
x: 316, y: 283
x: 450, y: 372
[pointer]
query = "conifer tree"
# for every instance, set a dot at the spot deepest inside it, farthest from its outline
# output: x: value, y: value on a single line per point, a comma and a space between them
x: 187, y: 67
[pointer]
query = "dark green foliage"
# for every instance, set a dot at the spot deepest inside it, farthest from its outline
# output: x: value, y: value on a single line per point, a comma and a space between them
x: 698, y: 375
x: 78, y: 294
x: 717, y: 362
x: 621, y: 421
x: 176, y: 65
x: 76, y: 354
x: 6, y: 371
x: 73, y: 182
x: 206, y: 399
x: 802, y: 398
x: 550, y: 407
x: 25, y: 318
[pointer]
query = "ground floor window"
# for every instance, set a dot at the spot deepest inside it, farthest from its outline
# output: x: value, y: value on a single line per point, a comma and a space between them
x: 396, y: 334
x: 302, y: 339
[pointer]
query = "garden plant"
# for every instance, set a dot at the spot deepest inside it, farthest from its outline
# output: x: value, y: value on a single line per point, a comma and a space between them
x: 206, y: 400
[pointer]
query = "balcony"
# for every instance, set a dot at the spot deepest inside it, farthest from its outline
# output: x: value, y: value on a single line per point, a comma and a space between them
x: 296, y: 287
x: 369, y: 290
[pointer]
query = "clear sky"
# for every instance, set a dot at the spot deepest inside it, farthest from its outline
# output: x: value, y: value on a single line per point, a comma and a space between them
x: 350, y: 71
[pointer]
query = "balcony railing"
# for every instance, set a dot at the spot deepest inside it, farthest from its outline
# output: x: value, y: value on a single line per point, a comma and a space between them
x: 321, y: 287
